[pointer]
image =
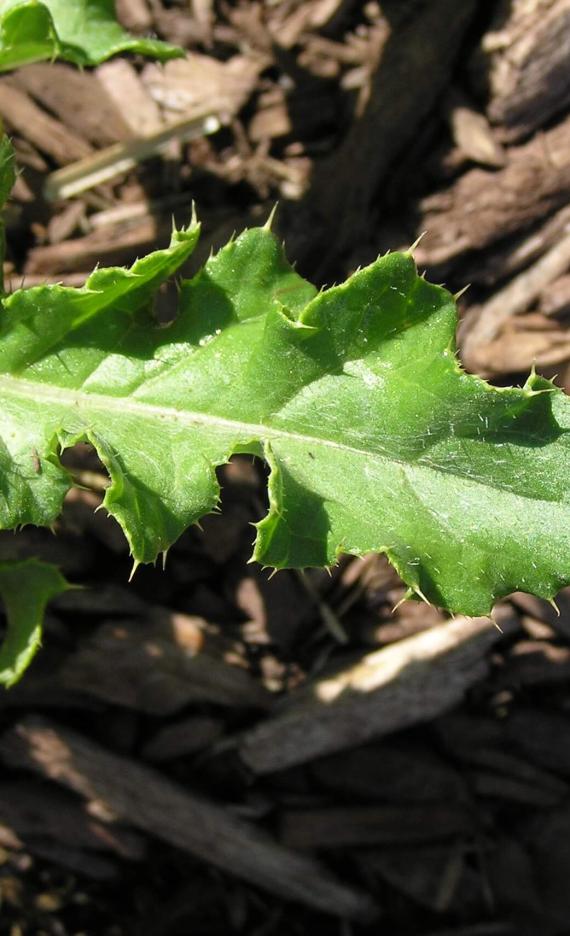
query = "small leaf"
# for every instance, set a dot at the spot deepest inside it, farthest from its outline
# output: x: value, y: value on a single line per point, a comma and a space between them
x: 84, y: 32
x: 25, y: 589
x: 376, y: 439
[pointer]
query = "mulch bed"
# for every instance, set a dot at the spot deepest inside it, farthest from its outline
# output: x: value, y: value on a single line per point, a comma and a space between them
x: 208, y: 750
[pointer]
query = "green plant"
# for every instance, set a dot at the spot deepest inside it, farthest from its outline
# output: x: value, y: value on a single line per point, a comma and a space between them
x: 25, y: 589
x: 375, y: 438
x: 84, y: 32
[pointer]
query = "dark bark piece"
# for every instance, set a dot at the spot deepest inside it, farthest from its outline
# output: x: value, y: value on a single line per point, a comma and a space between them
x: 525, y: 62
x: 404, y: 684
x: 504, y: 765
x: 484, y: 206
x: 543, y: 737
x: 392, y: 772
x: 158, y: 668
x: 513, y: 886
x: 534, y: 663
x: 556, y: 615
x: 144, y: 799
x: 436, y: 876
x: 412, y: 71
x: 33, y: 811
x: 374, y: 825
x: 548, y: 842
x: 183, y: 738
x: 496, y: 787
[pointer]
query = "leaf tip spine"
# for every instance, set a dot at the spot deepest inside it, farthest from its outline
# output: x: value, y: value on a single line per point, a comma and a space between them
x: 269, y: 223
x: 553, y: 604
x: 494, y: 621
x: 136, y: 564
x: 416, y: 243
x: 461, y: 292
x: 421, y: 595
x: 405, y: 597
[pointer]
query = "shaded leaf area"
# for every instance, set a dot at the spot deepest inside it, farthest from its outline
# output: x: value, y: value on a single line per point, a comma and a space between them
x: 84, y: 32
x: 26, y: 587
x: 376, y: 440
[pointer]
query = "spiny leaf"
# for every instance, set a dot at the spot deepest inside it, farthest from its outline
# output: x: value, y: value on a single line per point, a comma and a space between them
x: 25, y: 589
x: 84, y: 32
x: 376, y: 440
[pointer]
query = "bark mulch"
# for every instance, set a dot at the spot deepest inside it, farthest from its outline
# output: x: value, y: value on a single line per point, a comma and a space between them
x: 211, y: 751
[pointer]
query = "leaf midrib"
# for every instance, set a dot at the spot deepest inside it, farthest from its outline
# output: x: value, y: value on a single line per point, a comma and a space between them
x: 83, y: 400
x: 40, y: 393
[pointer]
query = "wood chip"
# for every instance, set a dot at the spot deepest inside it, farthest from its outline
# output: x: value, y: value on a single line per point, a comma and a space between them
x: 392, y: 772
x: 144, y: 799
x: 199, y: 82
x: 484, y: 206
x: 418, y: 55
x: 134, y: 15
x: 108, y: 247
x: 48, y: 134
x: 516, y: 297
x: 31, y: 810
x: 159, y: 666
x: 374, y: 825
x: 183, y: 738
x: 122, y: 84
x: 524, y: 61
x: 76, y: 98
x: 474, y: 136
x: 555, y: 297
x: 401, y: 685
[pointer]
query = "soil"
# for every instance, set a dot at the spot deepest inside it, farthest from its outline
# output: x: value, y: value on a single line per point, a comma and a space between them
x: 209, y: 750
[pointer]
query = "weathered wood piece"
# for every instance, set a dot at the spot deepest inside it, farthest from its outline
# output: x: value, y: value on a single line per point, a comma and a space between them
x: 159, y: 666
x: 120, y: 81
x: 48, y: 134
x: 413, y: 69
x: 141, y: 797
x: 116, y: 245
x: 375, y: 825
x: 483, y: 206
x: 518, y: 296
x: 525, y: 59
x: 401, y: 685
x: 76, y: 98
x: 516, y: 253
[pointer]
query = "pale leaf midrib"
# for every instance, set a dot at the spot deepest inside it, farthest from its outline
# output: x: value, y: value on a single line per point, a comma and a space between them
x: 85, y: 401
x: 81, y: 400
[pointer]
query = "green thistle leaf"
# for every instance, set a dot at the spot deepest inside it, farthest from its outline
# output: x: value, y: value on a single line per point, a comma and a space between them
x: 84, y: 32
x: 25, y: 589
x: 376, y: 440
